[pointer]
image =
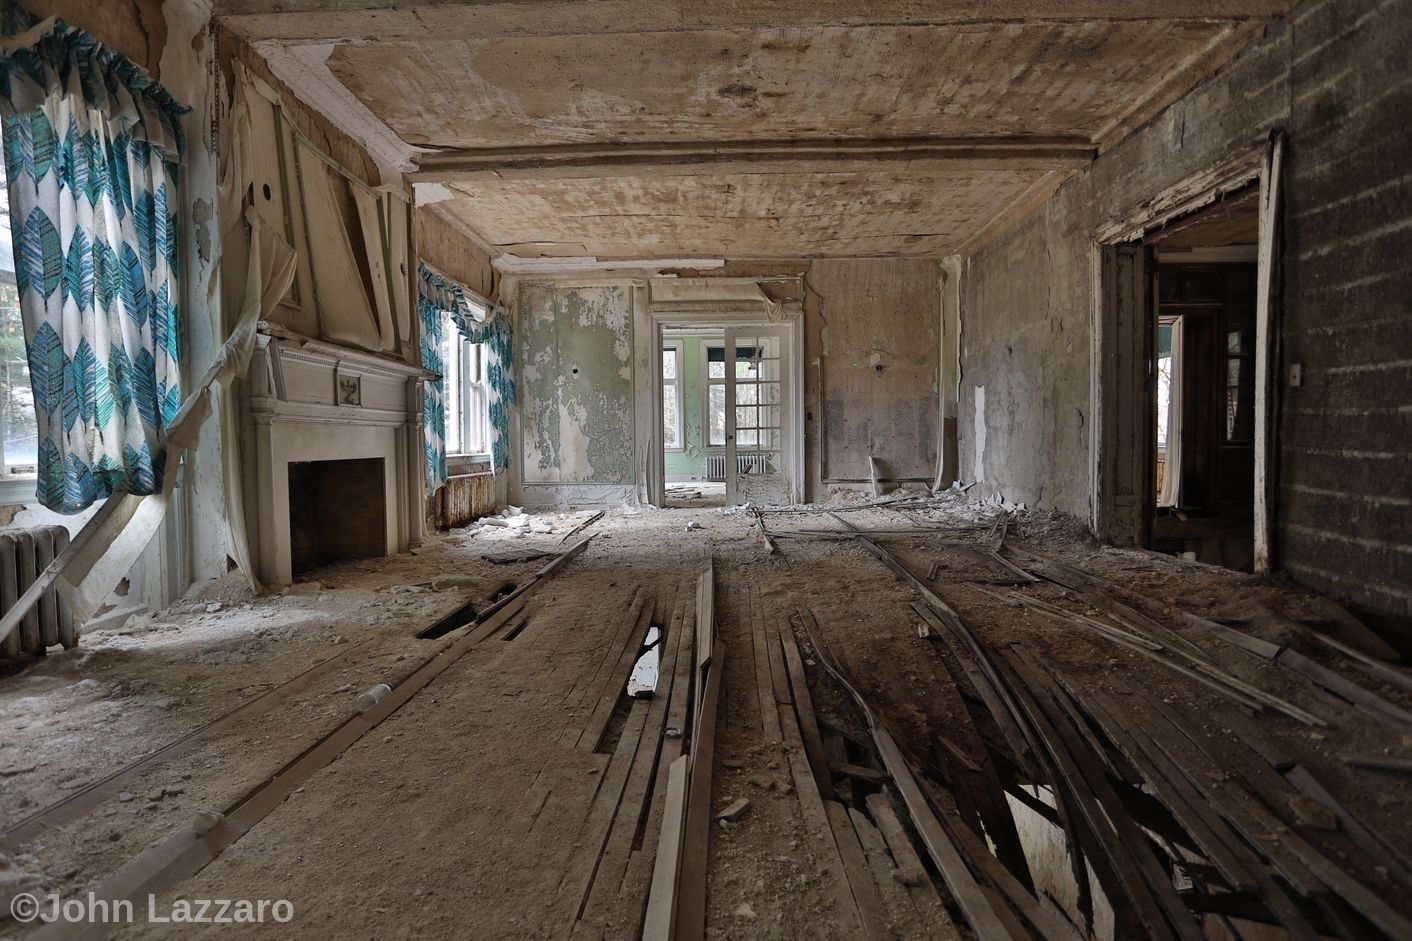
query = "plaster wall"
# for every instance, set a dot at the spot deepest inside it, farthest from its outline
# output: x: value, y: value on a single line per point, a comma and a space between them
x: 576, y: 429
x: 1332, y: 74
x: 574, y: 346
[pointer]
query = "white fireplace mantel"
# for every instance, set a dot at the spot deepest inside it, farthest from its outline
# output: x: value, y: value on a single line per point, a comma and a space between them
x: 310, y: 400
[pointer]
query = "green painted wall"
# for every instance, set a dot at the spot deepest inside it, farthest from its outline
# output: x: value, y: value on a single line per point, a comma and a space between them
x: 691, y: 460
x: 574, y: 345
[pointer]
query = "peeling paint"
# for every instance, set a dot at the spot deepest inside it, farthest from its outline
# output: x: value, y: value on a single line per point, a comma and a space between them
x: 201, y: 215
x: 576, y: 393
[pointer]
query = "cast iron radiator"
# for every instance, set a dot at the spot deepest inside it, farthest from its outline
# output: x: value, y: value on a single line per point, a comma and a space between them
x: 466, y: 497
x: 24, y: 553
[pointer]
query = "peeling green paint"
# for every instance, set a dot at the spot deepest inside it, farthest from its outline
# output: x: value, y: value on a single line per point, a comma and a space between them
x: 575, y: 349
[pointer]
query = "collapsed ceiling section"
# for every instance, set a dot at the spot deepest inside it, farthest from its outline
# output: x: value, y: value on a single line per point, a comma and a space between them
x: 624, y: 130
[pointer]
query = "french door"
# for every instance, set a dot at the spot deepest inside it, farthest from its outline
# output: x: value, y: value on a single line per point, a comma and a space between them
x: 755, y: 416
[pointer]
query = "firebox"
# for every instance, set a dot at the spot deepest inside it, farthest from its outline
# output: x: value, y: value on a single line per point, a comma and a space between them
x: 337, y: 510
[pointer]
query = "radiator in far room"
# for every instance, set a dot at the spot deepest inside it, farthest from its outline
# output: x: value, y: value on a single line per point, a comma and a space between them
x: 746, y: 462
x: 24, y: 553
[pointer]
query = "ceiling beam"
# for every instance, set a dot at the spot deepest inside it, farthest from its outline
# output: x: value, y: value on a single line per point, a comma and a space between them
x: 755, y: 156
x: 333, y: 20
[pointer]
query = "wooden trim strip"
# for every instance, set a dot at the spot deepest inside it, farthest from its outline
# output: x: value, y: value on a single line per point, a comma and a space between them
x: 185, y: 853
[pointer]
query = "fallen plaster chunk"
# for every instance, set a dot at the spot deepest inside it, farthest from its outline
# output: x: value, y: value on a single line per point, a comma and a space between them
x: 443, y: 582
x: 736, y: 810
x: 205, y: 820
x: 693, y: 525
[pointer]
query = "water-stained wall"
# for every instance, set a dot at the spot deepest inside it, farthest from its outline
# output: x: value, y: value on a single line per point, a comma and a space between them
x: 574, y: 350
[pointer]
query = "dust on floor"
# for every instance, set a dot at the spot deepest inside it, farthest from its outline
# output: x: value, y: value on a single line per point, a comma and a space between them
x: 423, y: 827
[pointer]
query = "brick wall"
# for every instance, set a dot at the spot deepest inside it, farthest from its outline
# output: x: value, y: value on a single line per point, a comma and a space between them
x: 337, y: 510
x: 1334, y: 74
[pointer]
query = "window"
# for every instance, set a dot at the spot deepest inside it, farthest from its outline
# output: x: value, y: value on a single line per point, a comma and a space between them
x: 463, y: 383
x: 746, y: 368
x: 671, y: 397
x: 19, y: 436
x: 715, y: 396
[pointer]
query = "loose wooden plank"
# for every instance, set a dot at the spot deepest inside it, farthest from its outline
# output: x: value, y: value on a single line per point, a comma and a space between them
x: 804, y: 710
x: 691, y: 905
x: 919, y: 885
x: 1394, y: 716
x: 1383, y: 854
x: 582, y: 526
x: 659, y: 922
x: 1049, y: 925
x: 812, y: 806
x: 1370, y: 665
x: 615, y: 679
x: 91, y: 795
x: 894, y: 895
x: 577, y: 879
x: 1144, y: 881
x: 859, y: 874
x: 1379, y: 762
x: 608, y: 879
x: 679, y: 712
x: 1167, y: 781
x: 963, y: 887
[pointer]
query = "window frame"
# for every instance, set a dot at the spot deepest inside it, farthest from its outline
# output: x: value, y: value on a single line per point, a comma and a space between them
x: 677, y: 385
x: 472, y: 410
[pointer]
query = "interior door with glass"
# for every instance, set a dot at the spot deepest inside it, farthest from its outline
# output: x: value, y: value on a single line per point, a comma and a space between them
x: 755, y: 413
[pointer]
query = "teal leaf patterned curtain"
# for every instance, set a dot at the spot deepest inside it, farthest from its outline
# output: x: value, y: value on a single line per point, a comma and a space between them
x: 91, y: 149
x: 436, y: 298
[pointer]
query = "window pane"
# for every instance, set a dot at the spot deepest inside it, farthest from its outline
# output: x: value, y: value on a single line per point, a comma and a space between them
x: 669, y: 363
x: 716, y: 398
x: 746, y: 394
x: 671, y: 420
x: 746, y: 417
x: 452, y: 391
x: 20, y: 436
x: 1240, y: 405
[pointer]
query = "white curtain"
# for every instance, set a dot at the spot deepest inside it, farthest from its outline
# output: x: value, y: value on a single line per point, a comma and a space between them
x: 1170, y: 493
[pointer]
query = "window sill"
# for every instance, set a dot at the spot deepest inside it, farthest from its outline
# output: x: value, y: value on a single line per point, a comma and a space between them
x: 14, y: 492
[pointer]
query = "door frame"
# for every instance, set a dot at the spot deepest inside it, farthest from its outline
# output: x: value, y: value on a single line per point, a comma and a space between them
x: 1122, y: 471
x: 718, y: 316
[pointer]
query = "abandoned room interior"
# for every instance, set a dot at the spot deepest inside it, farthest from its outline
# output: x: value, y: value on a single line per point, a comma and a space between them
x: 589, y: 469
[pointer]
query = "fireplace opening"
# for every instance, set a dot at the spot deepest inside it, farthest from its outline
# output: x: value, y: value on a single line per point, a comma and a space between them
x: 337, y: 510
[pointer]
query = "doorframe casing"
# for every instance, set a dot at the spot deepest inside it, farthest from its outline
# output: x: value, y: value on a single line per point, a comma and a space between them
x: 652, y: 479
x: 1121, y: 383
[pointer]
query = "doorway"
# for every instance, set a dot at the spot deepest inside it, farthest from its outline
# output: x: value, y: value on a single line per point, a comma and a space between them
x: 1184, y: 345
x: 1202, y: 404
x: 727, y: 397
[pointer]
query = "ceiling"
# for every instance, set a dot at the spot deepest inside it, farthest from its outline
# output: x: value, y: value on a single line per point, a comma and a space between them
x: 626, y: 130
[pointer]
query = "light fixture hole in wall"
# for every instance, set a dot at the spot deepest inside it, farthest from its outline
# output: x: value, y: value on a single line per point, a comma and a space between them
x: 266, y: 190
x: 576, y: 370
